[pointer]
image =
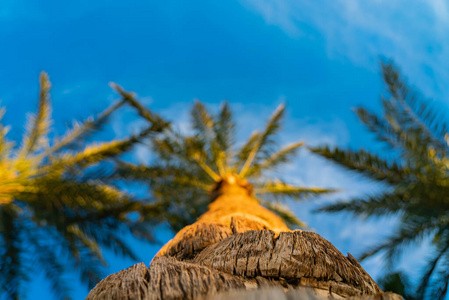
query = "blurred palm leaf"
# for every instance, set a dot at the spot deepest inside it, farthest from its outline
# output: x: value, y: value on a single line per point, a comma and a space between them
x: 55, y: 211
x: 189, y: 166
x: 416, y: 172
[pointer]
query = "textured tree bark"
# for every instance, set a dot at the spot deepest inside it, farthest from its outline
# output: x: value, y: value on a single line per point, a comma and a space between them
x: 240, y: 250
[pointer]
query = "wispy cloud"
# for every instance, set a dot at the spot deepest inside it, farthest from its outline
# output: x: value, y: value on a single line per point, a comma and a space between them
x: 361, y: 31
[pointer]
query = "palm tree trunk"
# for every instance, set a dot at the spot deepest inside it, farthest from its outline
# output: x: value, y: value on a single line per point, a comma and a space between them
x: 239, y: 245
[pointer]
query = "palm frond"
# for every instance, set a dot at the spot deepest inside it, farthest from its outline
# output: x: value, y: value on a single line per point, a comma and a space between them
x: 178, y: 175
x: 5, y: 145
x: 94, y: 153
x: 377, y: 205
x: 58, y: 201
x: 280, y: 190
x: 203, y: 125
x: 224, y: 137
x: 440, y: 286
x: 282, y: 156
x: 48, y: 262
x: 399, y: 283
x: 86, y: 241
x: 285, y: 214
x: 11, y: 266
x: 90, y: 270
x: 430, y: 268
x: 188, y: 150
x: 384, y: 132
x: 412, y: 230
x: 81, y: 129
x: 202, y: 121
x: 271, y: 128
x: 39, y: 126
x: 366, y: 163
x: 157, y: 123
x: 416, y: 114
x: 245, y: 150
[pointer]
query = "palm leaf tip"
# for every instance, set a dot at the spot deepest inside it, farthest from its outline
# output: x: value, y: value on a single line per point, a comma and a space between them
x: 38, y: 126
x: 282, y: 156
x: 272, y: 127
x: 280, y: 189
x: 285, y: 214
x: 158, y: 124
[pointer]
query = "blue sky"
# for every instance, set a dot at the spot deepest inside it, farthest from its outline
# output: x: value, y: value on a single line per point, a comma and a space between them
x: 320, y: 57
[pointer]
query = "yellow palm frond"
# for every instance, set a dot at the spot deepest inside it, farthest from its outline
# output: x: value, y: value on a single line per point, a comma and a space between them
x: 270, y: 129
x: 285, y: 214
x: 280, y: 189
x: 245, y: 150
x: 158, y: 124
x: 39, y: 125
x: 5, y: 145
x: 80, y: 129
x: 275, y: 159
x: 88, y: 242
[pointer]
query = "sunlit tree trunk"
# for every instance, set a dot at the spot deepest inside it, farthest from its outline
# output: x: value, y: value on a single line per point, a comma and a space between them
x: 238, y: 246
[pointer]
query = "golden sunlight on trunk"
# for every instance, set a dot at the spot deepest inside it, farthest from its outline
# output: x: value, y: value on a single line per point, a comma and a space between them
x: 233, y: 210
x: 238, y: 249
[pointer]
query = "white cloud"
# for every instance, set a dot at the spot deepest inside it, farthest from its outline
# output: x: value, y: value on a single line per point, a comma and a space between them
x: 413, y: 34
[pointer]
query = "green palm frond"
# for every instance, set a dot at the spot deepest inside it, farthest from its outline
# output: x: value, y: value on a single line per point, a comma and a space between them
x: 46, y: 258
x: 366, y: 163
x: 86, y: 241
x: 415, y: 131
x: 440, y: 287
x: 154, y: 173
x: 39, y: 125
x: 188, y: 167
x: 409, y: 233
x: 94, y: 153
x: 281, y: 190
x: 245, y: 150
x: 285, y: 214
x: 189, y: 150
x: 202, y: 121
x: 5, y: 145
x: 80, y: 129
x: 414, y: 113
x: 431, y: 266
x: 408, y: 124
x: 11, y: 266
x: 203, y: 125
x: 263, y: 140
x: 157, y: 122
x: 224, y: 138
x: 282, y: 156
x: 378, y: 205
x: 398, y: 283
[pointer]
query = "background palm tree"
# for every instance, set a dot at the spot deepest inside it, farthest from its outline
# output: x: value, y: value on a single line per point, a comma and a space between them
x: 416, y: 173
x: 55, y: 211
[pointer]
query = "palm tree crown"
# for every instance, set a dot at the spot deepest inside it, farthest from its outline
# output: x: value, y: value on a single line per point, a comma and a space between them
x: 416, y: 173
x: 230, y: 241
x: 55, y: 211
x: 190, y: 167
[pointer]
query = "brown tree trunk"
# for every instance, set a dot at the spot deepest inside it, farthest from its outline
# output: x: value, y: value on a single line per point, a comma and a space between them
x: 236, y: 246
